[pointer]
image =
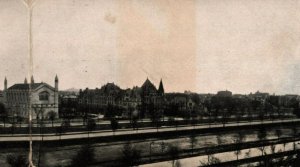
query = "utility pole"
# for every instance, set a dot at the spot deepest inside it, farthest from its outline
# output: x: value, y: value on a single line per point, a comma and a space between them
x: 29, y: 4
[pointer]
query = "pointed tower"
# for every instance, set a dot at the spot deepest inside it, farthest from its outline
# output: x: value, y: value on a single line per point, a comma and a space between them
x: 25, y: 81
x: 32, y: 80
x: 161, y: 90
x: 5, y: 84
x: 56, y: 94
x: 56, y: 83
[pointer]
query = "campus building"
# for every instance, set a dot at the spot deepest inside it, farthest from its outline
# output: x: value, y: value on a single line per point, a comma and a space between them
x: 40, y: 97
x: 126, y: 99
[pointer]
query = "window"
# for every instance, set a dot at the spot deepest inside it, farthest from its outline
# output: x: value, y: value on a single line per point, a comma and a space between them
x: 44, y: 96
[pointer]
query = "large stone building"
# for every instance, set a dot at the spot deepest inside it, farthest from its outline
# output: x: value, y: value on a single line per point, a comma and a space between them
x: 182, y: 101
x: 41, y: 98
x: 225, y: 93
x: 128, y: 99
x: 107, y: 95
x: 150, y: 94
x: 152, y: 97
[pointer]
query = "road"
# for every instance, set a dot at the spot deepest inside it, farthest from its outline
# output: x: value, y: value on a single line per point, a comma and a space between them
x: 80, y: 135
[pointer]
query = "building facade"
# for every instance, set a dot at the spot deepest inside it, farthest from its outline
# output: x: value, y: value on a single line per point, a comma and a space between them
x: 1, y: 97
x: 40, y: 98
x: 123, y: 99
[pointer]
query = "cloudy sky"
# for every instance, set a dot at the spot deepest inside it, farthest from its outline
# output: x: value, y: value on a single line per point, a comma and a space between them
x: 203, y: 46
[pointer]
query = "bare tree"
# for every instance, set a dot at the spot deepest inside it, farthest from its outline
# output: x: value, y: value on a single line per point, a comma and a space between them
x: 3, y: 113
x: 131, y: 155
x: 193, y: 140
x: 250, y: 114
x: 261, y: 135
x: 247, y: 154
x: 278, y: 133
x: 211, y: 161
x: 20, y: 120
x: 295, y: 134
x: 114, y: 124
x: 91, y: 125
x: 239, y: 138
x: 219, y: 139
x: 177, y: 163
x: 52, y: 116
x: 17, y: 160
x: 84, y: 157
x: 173, y: 153
x: 273, y: 148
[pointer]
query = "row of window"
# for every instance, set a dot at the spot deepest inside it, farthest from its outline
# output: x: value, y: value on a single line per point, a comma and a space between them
x: 17, y: 96
x: 24, y: 97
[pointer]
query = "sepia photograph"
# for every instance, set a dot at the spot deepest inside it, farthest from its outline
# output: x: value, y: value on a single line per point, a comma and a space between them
x: 150, y: 83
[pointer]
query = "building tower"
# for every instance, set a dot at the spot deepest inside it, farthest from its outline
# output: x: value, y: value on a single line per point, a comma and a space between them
x: 4, y: 92
x: 56, y: 83
x: 5, y: 83
x: 32, y: 80
x: 25, y: 81
x: 56, y: 94
x: 161, y: 90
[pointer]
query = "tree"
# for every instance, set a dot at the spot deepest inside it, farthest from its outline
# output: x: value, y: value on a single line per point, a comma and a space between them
x: 19, y: 120
x: 114, y: 124
x: 238, y: 117
x: 211, y: 161
x: 278, y: 133
x: 52, y: 116
x: 194, y: 115
x: 177, y: 163
x: 224, y: 117
x: 59, y: 131
x: 273, y: 148
x: 261, y: 115
x: 91, y: 125
x: 173, y: 153
x: 219, y: 139
x: 17, y: 160
x: 239, y: 138
x: 155, y: 115
x: 13, y: 125
x: 249, y: 113
x: 3, y: 113
x: 247, y: 154
x: 130, y: 113
x: 297, y: 160
x: 193, y: 141
x: 134, y: 119
x: 131, y: 155
x: 63, y: 127
x: 84, y: 157
x: 295, y: 134
x: 255, y: 104
x: 261, y: 135
x: 84, y: 117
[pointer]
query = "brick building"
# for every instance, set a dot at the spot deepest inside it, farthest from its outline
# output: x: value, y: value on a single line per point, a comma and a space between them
x: 40, y: 97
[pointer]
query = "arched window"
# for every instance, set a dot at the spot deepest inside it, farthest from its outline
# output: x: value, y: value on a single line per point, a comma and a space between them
x: 44, y: 96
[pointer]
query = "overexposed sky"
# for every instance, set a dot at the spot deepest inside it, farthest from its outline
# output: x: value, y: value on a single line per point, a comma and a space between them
x: 203, y: 46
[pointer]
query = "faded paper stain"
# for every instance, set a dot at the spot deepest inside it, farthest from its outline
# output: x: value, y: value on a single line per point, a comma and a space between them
x: 157, y: 39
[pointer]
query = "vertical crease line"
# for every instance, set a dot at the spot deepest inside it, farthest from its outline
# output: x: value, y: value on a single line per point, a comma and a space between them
x: 30, y: 86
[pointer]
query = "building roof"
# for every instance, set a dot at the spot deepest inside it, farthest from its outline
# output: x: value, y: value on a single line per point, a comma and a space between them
x: 26, y: 86
x: 148, y: 86
x: 161, y: 89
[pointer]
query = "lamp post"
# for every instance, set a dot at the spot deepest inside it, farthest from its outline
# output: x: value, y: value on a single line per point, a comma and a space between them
x: 29, y: 4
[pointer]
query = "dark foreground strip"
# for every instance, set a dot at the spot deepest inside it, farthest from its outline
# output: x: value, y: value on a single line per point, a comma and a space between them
x: 149, y: 135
